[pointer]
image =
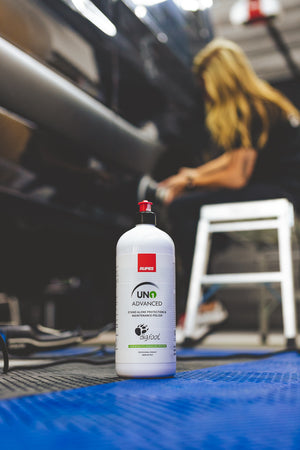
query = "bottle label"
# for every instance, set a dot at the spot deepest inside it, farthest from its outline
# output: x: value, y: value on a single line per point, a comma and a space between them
x: 145, y: 319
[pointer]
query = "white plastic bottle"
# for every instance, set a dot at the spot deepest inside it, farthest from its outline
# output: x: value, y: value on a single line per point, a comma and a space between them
x: 145, y: 316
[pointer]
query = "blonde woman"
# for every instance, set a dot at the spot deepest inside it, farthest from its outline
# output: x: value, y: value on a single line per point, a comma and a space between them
x: 257, y: 130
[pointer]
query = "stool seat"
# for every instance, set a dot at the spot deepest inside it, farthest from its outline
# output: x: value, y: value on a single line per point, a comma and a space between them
x: 243, y: 216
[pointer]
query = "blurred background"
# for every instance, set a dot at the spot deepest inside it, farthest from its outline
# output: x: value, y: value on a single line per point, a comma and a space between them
x: 93, y: 96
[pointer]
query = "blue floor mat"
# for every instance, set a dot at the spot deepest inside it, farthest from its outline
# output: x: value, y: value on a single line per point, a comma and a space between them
x: 253, y: 405
x: 220, y: 353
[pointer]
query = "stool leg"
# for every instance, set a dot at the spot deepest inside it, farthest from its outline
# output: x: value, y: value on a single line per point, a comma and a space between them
x: 287, y: 283
x: 200, y: 261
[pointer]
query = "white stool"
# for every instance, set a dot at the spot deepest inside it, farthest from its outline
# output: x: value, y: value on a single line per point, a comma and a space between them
x: 229, y: 217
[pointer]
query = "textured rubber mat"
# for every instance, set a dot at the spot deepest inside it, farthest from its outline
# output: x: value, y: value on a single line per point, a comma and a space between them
x: 253, y: 405
x: 28, y: 382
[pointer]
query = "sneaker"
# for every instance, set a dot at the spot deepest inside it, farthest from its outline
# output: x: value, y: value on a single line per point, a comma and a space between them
x: 209, y: 316
x: 199, y: 333
x: 211, y: 313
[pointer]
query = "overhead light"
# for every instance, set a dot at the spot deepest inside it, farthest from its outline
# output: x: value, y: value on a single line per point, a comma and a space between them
x: 194, y: 5
x: 251, y: 11
x: 140, y: 11
x: 147, y: 2
x: 162, y: 37
x: 90, y: 11
x: 205, y: 4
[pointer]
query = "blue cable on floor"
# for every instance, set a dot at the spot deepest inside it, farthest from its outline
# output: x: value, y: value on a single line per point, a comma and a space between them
x: 250, y: 405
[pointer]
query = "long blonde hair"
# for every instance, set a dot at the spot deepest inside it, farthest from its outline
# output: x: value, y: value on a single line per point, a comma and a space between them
x: 234, y: 94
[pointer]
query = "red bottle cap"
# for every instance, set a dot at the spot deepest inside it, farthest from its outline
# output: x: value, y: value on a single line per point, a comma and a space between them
x: 145, y: 206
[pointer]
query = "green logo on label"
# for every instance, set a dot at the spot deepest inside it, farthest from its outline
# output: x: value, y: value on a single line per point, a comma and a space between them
x: 152, y: 294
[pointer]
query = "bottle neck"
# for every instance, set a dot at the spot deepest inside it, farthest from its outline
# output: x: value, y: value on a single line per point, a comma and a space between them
x: 147, y: 218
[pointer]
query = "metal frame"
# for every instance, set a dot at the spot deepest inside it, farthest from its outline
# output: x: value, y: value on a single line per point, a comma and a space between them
x: 37, y: 93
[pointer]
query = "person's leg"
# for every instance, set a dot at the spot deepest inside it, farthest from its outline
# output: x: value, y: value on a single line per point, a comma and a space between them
x: 183, y: 215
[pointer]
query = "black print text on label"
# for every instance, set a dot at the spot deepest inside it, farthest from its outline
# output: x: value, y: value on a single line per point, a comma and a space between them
x: 147, y: 303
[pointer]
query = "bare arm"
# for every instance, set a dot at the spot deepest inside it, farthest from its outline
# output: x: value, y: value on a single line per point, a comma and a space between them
x: 231, y: 170
x: 234, y: 173
x: 215, y: 164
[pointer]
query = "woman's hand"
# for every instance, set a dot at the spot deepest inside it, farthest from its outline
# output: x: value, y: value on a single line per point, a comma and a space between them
x: 175, y: 185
